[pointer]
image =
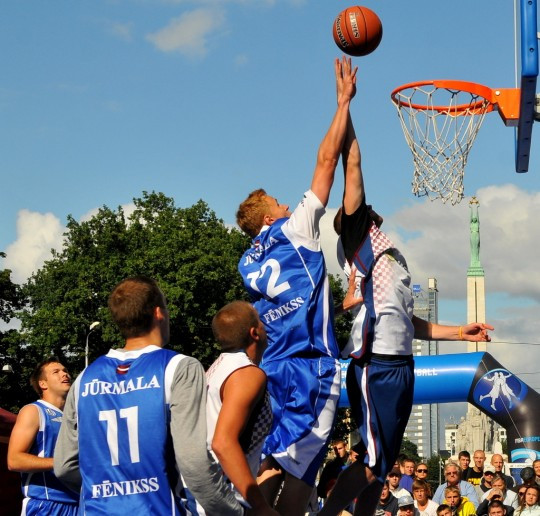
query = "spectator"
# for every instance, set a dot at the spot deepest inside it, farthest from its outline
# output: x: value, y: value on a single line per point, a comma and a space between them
x: 406, y: 506
x: 421, y: 492
x: 499, y: 491
x: 497, y: 508
x: 477, y: 471
x: 332, y: 469
x: 459, y: 505
x: 444, y: 510
x: 485, y: 483
x: 528, y: 505
x: 421, y: 471
x: 497, y: 462
x: 464, y: 459
x: 528, y: 476
x: 388, y: 503
x: 536, y: 467
x: 408, y: 474
x: 452, y: 474
x: 394, y: 477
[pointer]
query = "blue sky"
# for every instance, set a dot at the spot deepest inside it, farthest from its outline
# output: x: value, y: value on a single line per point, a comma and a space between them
x: 102, y: 99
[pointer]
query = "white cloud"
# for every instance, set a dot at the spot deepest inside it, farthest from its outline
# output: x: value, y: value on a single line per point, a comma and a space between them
x: 189, y: 33
x: 435, y: 241
x: 37, y: 234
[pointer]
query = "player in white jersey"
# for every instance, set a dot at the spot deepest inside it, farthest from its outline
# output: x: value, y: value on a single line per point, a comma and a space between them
x: 32, y: 441
x: 380, y: 378
x: 135, y: 421
x: 285, y: 275
x: 238, y: 409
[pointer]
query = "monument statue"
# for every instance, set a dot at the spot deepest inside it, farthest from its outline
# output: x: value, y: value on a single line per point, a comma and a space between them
x: 475, y: 233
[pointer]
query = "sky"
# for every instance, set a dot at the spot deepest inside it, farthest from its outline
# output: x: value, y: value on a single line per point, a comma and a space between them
x: 101, y: 100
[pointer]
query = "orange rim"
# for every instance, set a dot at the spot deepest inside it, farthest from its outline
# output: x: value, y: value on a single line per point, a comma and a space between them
x: 463, y: 109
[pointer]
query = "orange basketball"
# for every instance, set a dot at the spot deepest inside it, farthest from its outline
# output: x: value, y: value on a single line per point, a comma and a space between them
x: 357, y: 31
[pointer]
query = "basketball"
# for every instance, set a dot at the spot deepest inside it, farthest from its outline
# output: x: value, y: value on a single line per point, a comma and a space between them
x: 357, y: 31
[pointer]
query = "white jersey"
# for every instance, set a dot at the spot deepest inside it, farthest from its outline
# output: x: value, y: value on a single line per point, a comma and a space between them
x: 252, y: 439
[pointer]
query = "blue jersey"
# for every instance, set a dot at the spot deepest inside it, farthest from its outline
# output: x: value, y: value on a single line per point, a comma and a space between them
x: 285, y: 274
x: 44, y: 485
x: 126, y: 456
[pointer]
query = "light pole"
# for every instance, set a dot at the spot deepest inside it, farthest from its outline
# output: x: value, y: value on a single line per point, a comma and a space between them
x: 93, y: 326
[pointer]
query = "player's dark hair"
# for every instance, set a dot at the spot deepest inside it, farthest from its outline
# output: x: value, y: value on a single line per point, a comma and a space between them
x: 132, y: 304
x: 464, y: 453
x: 232, y: 324
x: 250, y: 214
x: 37, y: 374
x: 337, y: 221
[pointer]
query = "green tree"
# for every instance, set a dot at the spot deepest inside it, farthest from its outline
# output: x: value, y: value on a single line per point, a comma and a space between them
x: 190, y: 252
x: 409, y: 449
x: 15, y: 362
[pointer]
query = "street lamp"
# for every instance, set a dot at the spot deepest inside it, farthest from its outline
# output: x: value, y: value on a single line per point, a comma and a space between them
x: 93, y: 326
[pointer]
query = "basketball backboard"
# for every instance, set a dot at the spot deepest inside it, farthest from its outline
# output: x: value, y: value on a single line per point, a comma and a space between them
x: 529, y: 76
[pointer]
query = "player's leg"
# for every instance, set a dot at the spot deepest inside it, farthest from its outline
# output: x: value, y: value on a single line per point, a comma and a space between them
x: 294, y: 496
x: 370, y: 498
x: 270, y: 478
x: 352, y: 483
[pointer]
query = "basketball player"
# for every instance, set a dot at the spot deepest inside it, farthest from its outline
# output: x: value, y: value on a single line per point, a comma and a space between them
x: 135, y: 421
x: 285, y: 275
x: 32, y: 441
x: 238, y: 409
x: 380, y: 378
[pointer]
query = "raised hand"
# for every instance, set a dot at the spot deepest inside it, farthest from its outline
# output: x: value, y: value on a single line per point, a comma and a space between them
x: 345, y: 78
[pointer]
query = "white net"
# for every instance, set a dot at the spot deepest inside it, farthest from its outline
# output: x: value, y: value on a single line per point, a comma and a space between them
x: 440, y: 139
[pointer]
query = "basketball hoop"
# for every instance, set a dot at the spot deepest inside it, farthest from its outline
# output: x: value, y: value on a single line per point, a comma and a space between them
x: 440, y: 120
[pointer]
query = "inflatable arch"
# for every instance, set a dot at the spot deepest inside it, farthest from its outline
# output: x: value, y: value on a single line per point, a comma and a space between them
x: 480, y: 380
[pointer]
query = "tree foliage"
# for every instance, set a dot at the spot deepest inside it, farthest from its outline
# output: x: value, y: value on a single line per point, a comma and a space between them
x: 190, y: 252
x: 12, y: 355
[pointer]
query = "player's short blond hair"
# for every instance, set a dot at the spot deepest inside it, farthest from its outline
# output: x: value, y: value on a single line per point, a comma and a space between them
x: 250, y: 214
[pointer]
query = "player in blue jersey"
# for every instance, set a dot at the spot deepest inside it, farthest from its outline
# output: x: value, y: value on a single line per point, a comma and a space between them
x: 380, y: 378
x: 285, y: 274
x: 135, y: 421
x: 32, y: 442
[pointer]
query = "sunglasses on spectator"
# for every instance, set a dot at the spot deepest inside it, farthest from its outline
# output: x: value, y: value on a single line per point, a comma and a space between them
x: 489, y: 473
x: 451, y: 472
x: 421, y: 470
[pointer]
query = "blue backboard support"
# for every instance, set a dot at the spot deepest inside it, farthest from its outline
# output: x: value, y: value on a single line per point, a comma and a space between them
x: 529, y: 76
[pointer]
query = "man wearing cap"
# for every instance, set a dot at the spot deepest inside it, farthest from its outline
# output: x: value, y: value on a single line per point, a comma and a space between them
x: 485, y: 483
x: 394, y: 478
x: 528, y: 476
x: 406, y: 506
x: 452, y: 474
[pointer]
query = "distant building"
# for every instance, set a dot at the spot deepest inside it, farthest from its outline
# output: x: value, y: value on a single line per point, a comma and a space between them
x: 423, y: 426
x: 450, y: 437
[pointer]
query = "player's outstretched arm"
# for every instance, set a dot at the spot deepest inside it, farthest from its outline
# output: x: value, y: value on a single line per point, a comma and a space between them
x: 330, y: 148
x: 22, y: 438
x: 351, y: 157
x: 202, y: 475
x: 241, y: 393
x: 472, y: 332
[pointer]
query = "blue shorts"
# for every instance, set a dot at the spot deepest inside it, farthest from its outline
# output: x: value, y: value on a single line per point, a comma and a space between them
x: 305, y: 394
x: 33, y: 506
x: 381, y: 395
